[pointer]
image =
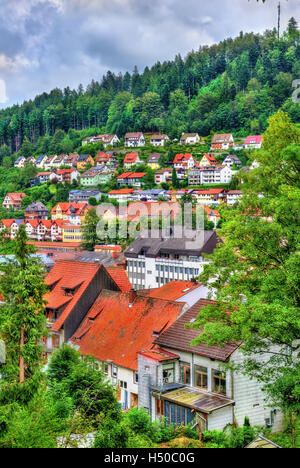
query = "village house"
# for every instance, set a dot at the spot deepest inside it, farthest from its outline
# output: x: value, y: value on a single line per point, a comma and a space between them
x: 74, y: 287
x: 85, y: 160
x: 253, y: 141
x: 12, y: 201
x: 72, y: 212
x: 31, y: 160
x: 231, y: 160
x: 211, y: 175
x: 189, y: 139
x: 71, y: 160
x: 116, y: 328
x: 67, y: 176
x: 213, y: 197
x: 37, y: 210
x: 48, y: 164
x: 159, y: 140
x: 133, y: 179
x: 80, y: 196
x: 222, y: 141
x: 91, y: 178
x: 72, y: 233
x: 184, y: 161
x: 15, y: 227
x: 122, y: 195
x: 184, y: 383
x: 41, y: 161
x: 132, y: 159
x: 134, y: 139
x: 107, y: 140
x: 233, y: 196
x: 20, y: 162
x: 5, y: 225
x: 163, y: 176
x: 208, y: 160
x: 150, y: 195
x: 107, y: 159
x: 212, y: 215
x: 153, y: 161
x: 31, y: 226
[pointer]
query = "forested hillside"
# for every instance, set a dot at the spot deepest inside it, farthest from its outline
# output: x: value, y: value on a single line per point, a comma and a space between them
x: 233, y: 86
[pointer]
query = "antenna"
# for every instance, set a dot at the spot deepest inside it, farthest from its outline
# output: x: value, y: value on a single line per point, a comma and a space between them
x: 279, y: 12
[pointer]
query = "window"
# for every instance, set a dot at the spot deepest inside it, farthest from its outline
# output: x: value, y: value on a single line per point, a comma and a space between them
x: 123, y: 384
x: 185, y: 373
x: 218, y: 382
x: 169, y: 373
x: 114, y: 371
x: 105, y: 368
x: 200, y: 377
x: 135, y: 377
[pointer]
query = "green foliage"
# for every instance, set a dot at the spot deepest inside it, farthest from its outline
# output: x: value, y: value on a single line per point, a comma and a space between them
x: 259, y: 264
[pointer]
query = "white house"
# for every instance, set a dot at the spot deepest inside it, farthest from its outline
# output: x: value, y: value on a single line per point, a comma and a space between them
x: 233, y: 196
x: 189, y: 139
x: 134, y: 139
x: 159, y: 140
x: 188, y: 383
x: 20, y: 162
x: 253, y: 141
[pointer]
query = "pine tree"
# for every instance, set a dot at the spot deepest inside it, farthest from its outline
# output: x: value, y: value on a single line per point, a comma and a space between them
x: 22, y: 318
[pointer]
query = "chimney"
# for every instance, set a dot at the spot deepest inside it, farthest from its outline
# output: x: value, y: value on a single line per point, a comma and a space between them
x: 132, y: 297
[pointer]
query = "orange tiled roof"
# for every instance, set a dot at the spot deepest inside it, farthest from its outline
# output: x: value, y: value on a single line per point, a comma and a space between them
x: 117, y: 329
x: 131, y: 158
x: 62, y: 275
x: 119, y: 275
x: 180, y: 158
x: 174, y: 290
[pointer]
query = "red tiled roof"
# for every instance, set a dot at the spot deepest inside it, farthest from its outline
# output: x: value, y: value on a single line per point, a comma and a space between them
x: 119, y: 275
x: 7, y: 222
x: 210, y: 192
x: 65, y: 207
x: 62, y: 275
x: 253, y: 139
x: 117, y: 329
x: 180, y: 158
x: 125, y: 191
x: 16, y: 197
x: 158, y: 354
x: 174, y: 290
x: 132, y: 175
x: 131, y: 158
x: 178, y: 337
x: 211, y: 159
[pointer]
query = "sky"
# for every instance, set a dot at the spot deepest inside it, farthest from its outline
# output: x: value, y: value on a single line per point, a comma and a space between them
x: 46, y: 44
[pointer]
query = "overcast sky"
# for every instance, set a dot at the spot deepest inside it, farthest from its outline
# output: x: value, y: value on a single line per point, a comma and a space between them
x: 57, y: 43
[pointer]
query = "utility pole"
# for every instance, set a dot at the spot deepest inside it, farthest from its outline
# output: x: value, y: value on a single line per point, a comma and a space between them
x: 279, y: 12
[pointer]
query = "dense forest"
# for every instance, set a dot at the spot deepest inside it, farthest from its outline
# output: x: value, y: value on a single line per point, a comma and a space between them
x: 233, y: 86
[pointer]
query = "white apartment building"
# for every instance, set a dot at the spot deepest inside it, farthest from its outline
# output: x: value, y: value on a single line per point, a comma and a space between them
x: 157, y: 260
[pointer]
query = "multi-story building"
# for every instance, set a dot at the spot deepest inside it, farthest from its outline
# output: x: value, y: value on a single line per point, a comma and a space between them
x: 253, y: 141
x: 233, y: 196
x: 184, y: 161
x: 135, y: 139
x: 72, y: 212
x: 212, y: 197
x: 132, y: 159
x: 81, y: 196
x: 159, y: 140
x: 36, y: 210
x: 158, y: 257
x: 122, y: 195
x: 185, y: 383
x: 189, y: 139
x: 12, y: 201
x: 67, y: 175
x: 163, y: 175
x: 211, y: 175
x: 222, y: 141
x: 133, y: 179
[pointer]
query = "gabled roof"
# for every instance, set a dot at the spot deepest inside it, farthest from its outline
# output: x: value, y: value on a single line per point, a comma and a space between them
x: 181, y: 158
x: 119, y: 326
x: 221, y: 138
x: 119, y: 275
x: 253, y: 140
x: 154, y: 158
x: 66, y: 208
x: 133, y: 135
x: 132, y: 175
x: 7, y: 222
x: 174, y: 290
x: 210, y: 158
x: 178, y: 337
x: 16, y: 198
x: 66, y: 273
x: 131, y: 158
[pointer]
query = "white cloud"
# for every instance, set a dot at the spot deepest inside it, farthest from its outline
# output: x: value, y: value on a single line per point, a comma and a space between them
x: 3, y: 96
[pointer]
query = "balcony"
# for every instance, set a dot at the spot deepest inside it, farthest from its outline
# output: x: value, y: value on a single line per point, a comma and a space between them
x: 165, y: 386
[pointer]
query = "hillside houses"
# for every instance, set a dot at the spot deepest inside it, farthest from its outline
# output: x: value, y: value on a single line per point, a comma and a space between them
x: 222, y: 141
x: 185, y: 383
x: 253, y: 142
x: 189, y: 139
x: 107, y: 140
x: 211, y: 175
x: 134, y: 179
x: 184, y: 161
x: 12, y: 201
x: 159, y: 140
x: 132, y: 159
x: 134, y: 139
